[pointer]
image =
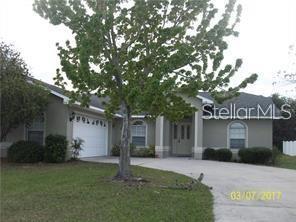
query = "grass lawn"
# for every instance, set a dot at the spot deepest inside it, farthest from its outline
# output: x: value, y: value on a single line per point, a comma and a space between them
x: 81, y: 191
x: 286, y: 161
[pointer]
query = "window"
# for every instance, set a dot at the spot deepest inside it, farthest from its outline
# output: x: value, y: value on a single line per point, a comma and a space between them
x: 35, y: 130
x: 237, y: 135
x: 138, y: 131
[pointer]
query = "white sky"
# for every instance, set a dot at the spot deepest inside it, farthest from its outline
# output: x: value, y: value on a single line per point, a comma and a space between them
x: 267, y: 29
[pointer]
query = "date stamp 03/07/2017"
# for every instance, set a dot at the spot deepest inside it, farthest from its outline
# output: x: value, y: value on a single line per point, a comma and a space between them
x: 256, y: 195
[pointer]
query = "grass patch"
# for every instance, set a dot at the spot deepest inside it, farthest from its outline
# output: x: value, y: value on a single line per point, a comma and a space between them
x: 286, y: 161
x: 81, y: 191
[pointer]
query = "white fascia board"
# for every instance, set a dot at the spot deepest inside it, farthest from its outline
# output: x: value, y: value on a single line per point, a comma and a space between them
x: 138, y: 116
x: 65, y: 98
x: 96, y: 109
x: 205, y: 100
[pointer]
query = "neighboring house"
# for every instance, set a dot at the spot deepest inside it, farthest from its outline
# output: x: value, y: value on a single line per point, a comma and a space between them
x: 185, y: 138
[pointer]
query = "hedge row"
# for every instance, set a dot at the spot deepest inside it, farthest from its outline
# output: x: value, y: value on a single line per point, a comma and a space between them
x: 255, y: 155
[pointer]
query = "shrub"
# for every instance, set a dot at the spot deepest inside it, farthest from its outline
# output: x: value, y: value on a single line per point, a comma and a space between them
x: 76, y: 146
x: 209, y: 154
x: 255, y: 155
x: 151, y: 150
x: 144, y: 152
x: 25, y: 152
x: 115, y: 150
x: 55, y: 149
x: 223, y: 155
x: 135, y: 152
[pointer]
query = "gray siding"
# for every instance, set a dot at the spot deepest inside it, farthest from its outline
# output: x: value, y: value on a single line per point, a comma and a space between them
x: 56, y: 117
x: 215, y: 133
x: 150, y: 132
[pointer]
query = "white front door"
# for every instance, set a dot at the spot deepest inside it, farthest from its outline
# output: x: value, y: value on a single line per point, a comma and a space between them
x: 182, y: 141
x: 94, y: 133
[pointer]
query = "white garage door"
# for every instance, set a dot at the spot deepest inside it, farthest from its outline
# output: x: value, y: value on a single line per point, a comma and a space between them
x: 93, y: 132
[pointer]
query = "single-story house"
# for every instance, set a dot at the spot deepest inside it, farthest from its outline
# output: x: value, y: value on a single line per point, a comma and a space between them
x: 235, y: 124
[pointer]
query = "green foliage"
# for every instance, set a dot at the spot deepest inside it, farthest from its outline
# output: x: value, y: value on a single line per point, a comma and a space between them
x: 25, y: 152
x: 255, y: 155
x: 209, y: 154
x: 223, y: 155
x: 144, y: 55
x: 55, y: 149
x: 76, y: 147
x: 21, y: 101
x: 135, y: 152
x: 151, y: 151
x: 275, y: 154
x: 115, y: 150
x: 285, y: 161
x: 144, y: 152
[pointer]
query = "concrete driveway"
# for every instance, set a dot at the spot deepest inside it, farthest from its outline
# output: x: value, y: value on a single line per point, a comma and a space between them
x: 225, y: 178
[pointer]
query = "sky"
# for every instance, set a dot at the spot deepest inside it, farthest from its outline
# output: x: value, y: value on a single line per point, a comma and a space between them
x: 267, y: 29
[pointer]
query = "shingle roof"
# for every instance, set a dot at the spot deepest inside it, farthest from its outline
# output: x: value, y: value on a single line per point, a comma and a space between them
x: 94, y: 100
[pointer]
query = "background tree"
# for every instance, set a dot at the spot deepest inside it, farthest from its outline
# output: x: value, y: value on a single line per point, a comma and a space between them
x: 284, y: 129
x: 144, y: 54
x: 285, y: 79
x: 21, y: 101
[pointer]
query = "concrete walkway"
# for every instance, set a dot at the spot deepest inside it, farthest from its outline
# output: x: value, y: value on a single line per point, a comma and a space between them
x: 225, y: 178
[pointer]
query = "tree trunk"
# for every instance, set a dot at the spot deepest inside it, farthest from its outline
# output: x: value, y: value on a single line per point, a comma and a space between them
x: 124, y: 172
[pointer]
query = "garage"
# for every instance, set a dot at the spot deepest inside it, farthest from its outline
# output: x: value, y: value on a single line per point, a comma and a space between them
x: 94, y: 132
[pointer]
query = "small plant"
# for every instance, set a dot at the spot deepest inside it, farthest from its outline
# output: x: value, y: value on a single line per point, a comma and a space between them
x: 255, y: 155
x: 76, y: 146
x: 223, y: 155
x: 25, y: 152
x: 55, y: 148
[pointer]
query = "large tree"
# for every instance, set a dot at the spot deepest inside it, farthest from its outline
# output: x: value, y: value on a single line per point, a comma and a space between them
x: 21, y: 101
x: 145, y: 54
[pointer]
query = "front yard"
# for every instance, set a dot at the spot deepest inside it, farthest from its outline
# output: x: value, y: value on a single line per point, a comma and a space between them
x: 286, y: 161
x: 81, y: 191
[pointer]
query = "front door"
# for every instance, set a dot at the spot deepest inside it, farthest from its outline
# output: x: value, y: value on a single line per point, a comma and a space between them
x: 182, y: 142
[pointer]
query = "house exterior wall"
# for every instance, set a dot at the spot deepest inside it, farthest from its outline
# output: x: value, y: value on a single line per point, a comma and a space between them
x: 56, y: 117
x: 216, y: 133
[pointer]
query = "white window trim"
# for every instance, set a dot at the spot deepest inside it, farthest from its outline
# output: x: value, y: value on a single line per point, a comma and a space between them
x: 146, y: 134
x: 26, y: 129
x: 228, y: 133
